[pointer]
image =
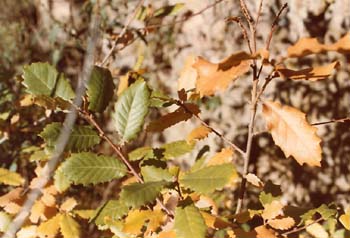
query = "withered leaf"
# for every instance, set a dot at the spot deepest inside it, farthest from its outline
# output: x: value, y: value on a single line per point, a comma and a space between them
x: 292, y: 133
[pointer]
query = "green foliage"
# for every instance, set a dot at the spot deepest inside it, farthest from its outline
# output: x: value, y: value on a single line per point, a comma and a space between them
x: 140, y: 153
x: 131, y: 109
x: 324, y: 211
x: 43, y: 79
x: 139, y: 194
x: 152, y: 173
x: 100, y: 89
x: 89, y: 168
x: 189, y: 222
x: 176, y: 149
x: 113, y: 209
x: 61, y: 181
x: 81, y: 138
x: 208, y: 179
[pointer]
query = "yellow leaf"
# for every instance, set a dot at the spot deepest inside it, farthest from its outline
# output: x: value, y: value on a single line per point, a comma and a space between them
x: 253, y: 179
x: 68, y: 205
x: 50, y: 227
x: 263, y: 232
x: 284, y: 223
x: 292, y: 133
x: 272, y: 210
x: 10, y: 178
x: 136, y: 220
x: 27, y: 232
x: 69, y: 227
x: 214, y: 221
x: 214, y: 77
x: 13, y: 195
x: 37, y: 212
x: 345, y: 219
x: 198, y: 133
x: 167, y: 234
x: 311, y: 74
x: 85, y: 214
x: 316, y: 230
x: 223, y: 157
x: 123, y: 83
x: 307, y: 46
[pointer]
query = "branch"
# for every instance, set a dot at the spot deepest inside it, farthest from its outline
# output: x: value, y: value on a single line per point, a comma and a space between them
x: 345, y: 119
x: 64, y: 133
x: 122, y: 33
x: 274, y: 25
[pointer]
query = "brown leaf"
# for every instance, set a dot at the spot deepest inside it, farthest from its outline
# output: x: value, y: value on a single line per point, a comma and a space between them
x: 188, y: 75
x: 284, y: 223
x: 312, y: 74
x: 198, y: 133
x: 214, y: 221
x: 307, y: 46
x: 214, y: 77
x: 272, y: 210
x: 13, y: 195
x: 292, y: 133
x: 263, y: 232
x: 173, y: 118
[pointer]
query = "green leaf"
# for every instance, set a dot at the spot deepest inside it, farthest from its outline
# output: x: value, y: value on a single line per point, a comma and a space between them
x: 131, y: 109
x: 100, y: 89
x: 64, y: 89
x: 86, y: 168
x: 5, y: 221
x: 168, y: 10
x: 177, y: 148
x: 10, y: 178
x: 140, y: 153
x: 43, y: 79
x: 209, y: 179
x: 323, y: 210
x: 81, y: 137
x: 61, y: 182
x: 152, y: 173
x: 69, y: 227
x: 113, y: 210
x: 40, y: 78
x: 271, y: 192
x: 189, y: 222
x: 138, y: 194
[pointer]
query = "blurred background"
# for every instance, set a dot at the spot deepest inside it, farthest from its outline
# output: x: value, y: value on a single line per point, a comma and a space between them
x: 56, y: 31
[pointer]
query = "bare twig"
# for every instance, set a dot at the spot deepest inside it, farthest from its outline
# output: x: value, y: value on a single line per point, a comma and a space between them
x: 64, y: 134
x: 274, y: 25
x: 298, y: 229
x: 238, y: 20
x: 345, y: 119
x: 121, y: 34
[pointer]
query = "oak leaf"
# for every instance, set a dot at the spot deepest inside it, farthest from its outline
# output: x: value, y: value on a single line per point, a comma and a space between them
x: 292, y: 133
x: 311, y: 74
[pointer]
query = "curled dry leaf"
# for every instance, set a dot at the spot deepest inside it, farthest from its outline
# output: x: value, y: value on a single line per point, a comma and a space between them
x: 253, y: 179
x: 284, y: 223
x: 292, y: 133
x: 272, y: 210
x: 311, y: 74
x: 307, y: 46
x: 198, y: 133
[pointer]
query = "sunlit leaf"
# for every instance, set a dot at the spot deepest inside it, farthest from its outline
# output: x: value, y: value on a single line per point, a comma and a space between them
x: 284, y: 223
x: 198, y: 133
x: 69, y: 227
x: 189, y: 222
x: 5, y: 221
x: 100, y: 89
x: 223, y: 157
x: 272, y: 210
x: 292, y: 133
x: 61, y: 181
x: 152, y: 173
x: 112, y: 210
x: 209, y: 179
x: 176, y: 149
x: 316, y: 230
x: 89, y: 168
x: 131, y: 109
x: 10, y: 178
x: 49, y: 228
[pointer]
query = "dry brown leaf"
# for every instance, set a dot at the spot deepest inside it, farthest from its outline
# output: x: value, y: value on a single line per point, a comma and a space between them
x: 284, y: 223
x: 272, y: 210
x: 311, y: 74
x: 307, y: 46
x: 68, y: 205
x: 215, y: 222
x: 198, y: 133
x: 170, y: 119
x: 316, y: 230
x: 188, y: 75
x: 13, y: 195
x: 292, y: 133
x: 263, y: 232
x: 214, y: 77
x: 224, y: 156
x: 253, y: 179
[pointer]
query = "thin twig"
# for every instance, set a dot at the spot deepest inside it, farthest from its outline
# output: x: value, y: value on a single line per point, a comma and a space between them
x: 345, y: 119
x: 238, y: 20
x: 298, y: 229
x: 121, y: 34
x: 274, y: 25
x: 118, y: 150
x: 64, y: 133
